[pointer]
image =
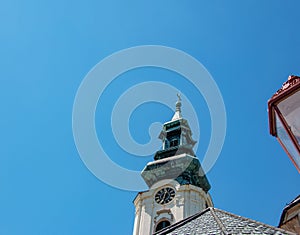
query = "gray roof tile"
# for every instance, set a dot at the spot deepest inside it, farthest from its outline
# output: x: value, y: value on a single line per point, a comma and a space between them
x: 216, y: 221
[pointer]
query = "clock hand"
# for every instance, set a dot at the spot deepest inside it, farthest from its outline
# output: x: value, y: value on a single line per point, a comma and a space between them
x: 165, y: 194
x: 163, y: 197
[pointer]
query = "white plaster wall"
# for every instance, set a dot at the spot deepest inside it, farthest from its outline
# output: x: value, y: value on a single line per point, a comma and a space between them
x: 188, y: 200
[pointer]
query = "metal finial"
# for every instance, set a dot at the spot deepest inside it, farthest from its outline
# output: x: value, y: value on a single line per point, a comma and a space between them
x: 178, y: 103
x: 177, y: 114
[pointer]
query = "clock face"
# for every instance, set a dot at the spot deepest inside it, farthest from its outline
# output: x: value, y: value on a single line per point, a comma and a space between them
x: 164, y: 195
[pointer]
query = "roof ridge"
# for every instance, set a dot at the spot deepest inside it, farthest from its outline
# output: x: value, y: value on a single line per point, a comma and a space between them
x: 219, y: 222
x: 254, y: 221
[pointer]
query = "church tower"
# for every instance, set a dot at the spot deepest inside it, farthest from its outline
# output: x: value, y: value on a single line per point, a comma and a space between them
x: 177, y: 184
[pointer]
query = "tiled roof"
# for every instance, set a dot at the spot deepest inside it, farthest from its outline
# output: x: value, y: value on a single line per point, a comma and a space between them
x: 216, y: 221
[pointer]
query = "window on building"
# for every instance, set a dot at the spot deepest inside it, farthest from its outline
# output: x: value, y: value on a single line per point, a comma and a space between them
x: 162, y: 225
x: 166, y: 144
x: 174, y: 142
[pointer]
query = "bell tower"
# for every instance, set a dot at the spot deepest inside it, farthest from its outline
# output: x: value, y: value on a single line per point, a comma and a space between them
x: 177, y: 184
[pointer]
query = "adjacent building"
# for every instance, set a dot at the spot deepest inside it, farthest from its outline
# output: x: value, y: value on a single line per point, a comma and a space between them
x: 290, y: 217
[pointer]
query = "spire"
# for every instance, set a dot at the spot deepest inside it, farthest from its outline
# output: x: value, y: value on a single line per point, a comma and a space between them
x: 177, y: 114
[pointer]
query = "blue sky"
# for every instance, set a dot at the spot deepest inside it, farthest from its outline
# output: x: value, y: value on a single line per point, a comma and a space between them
x: 47, y: 48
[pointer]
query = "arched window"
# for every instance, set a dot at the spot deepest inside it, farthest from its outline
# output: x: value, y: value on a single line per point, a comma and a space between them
x: 162, y: 224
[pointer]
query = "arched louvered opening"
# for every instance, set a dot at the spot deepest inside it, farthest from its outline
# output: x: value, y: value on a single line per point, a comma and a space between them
x: 162, y: 224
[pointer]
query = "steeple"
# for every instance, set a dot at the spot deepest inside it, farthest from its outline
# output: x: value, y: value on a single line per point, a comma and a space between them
x: 178, y: 187
x: 177, y: 140
x: 176, y: 135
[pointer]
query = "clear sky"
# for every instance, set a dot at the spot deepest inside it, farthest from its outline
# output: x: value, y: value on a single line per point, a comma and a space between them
x: 47, y: 48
